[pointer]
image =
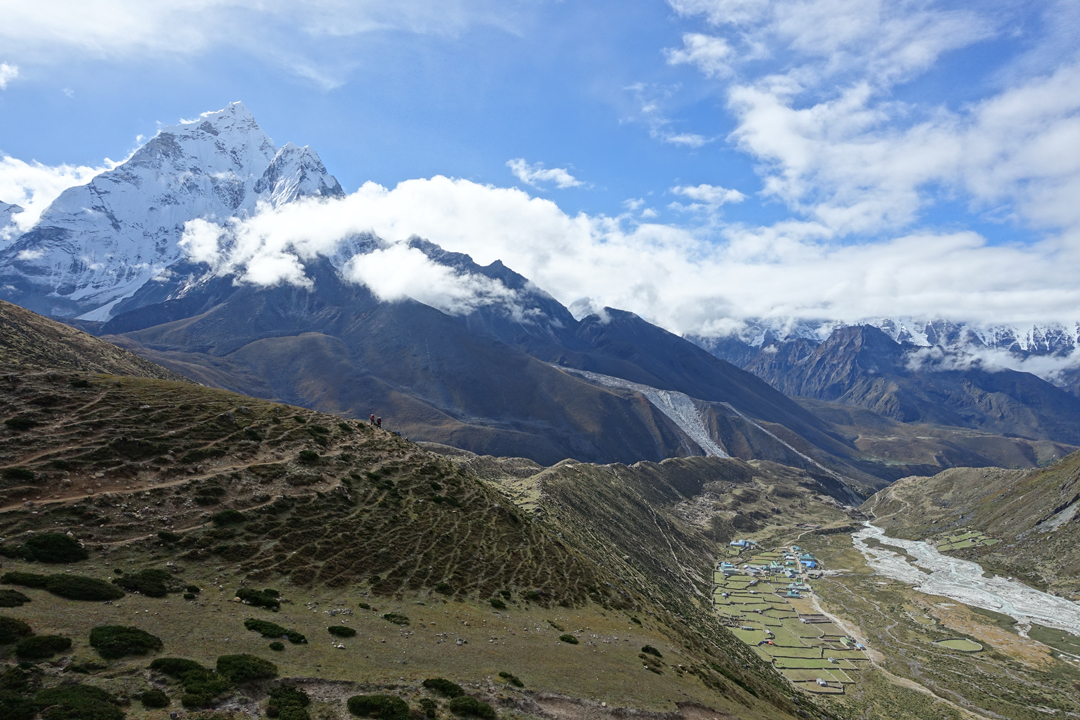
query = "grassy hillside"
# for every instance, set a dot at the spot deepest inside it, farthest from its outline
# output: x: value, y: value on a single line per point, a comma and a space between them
x: 1032, y: 512
x: 351, y: 526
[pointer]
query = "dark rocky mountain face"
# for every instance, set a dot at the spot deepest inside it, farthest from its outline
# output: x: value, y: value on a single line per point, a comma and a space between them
x: 861, y: 365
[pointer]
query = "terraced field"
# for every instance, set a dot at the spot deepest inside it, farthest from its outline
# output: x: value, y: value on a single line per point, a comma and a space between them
x: 776, y: 617
x: 969, y: 539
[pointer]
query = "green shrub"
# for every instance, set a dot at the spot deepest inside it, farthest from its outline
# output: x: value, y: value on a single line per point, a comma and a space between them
x: 201, y: 685
x: 396, y: 618
x: 116, y: 641
x: 25, y: 579
x: 245, y: 668
x: 81, y: 383
x: 78, y: 702
x: 277, y: 646
x: 193, y: 589
x: 77, y: 587
x: 341, y: 631
x: 12, y: 630
x: 429, y: 707
x: 152, y: 583
x: 466, y: 705
x: 444, y: 687
x: 53, y: 548
x: 497, y: 604
x: 650, y: 650
x: 227, y: 517
x: 20, y: 474
x: 289, y: 696
x: 512, y: 679
x: 533, y: 596
x: 345, y: 427
x: 569, y: 639
x: 20, y: 423
x: 260, y: 598
x: 14, y: 706
x: 444, y: 588
x: 154, y: 699
x: 309, y: 457
x: 384, y: 707
x: 363, y: 605
x: 505, y: 593
x: 38, y: 647
x: 169, y: 536
x: 189, y: 596
x: 12, y: 598
x: 273, y: 630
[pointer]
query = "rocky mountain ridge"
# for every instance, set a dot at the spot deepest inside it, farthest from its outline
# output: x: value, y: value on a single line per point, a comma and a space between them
x: 99, y: 243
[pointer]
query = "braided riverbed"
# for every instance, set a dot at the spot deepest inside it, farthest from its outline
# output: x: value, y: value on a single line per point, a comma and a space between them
x: 936, y: 574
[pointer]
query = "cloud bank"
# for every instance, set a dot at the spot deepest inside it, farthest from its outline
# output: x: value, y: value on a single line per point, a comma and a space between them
x: 686, y: 280
x: 536, y: 174
x: 34, y: 186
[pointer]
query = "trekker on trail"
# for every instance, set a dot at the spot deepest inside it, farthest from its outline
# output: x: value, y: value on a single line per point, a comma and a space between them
x: 378, y: 422
x: 372, y: 419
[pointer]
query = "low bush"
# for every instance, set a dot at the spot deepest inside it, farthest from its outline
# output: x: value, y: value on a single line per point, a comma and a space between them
x: 512, y: 679
x: 341, y: 631
x: 152, y: 583
x: 308, y: 457
x: 39, y: 647
x: 533, y: 596
x: 78, y: 702
x: 384, y: 707
x: 19, y: 474
x: 20, y: 423
x: 53, y: 548
x: 290, y: 702
x: 570, y: 639
x: 470, y: 706
x: 12, y: 598
x: 396, y: 618
x: 429, y: 707
x: 12, y: 630
x: 363, y: 605
x: 154, y: 699
x: 277, y: 646
x: 81, y: 383
x: 227, y: 517
x: 497, y: 604
x: 444, y: 687
x: 116, y: 641
x: 650, y: 650
x: 168, y: 536
x: 193, y: 589
x: 14, y: 706
x: 273, y: 630
x: 189, y: 596
x: 245, y: 668
x: 505, y: 593
x: 201, y: 685
x: 25, y: 579
x: 444, y: 588
x: 72, y: 587
x: 260, y: 598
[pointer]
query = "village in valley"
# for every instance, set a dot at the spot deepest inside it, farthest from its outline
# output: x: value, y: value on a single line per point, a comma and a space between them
x: 767, y: 601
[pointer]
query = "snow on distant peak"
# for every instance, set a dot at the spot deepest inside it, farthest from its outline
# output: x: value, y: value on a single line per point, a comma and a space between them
x: 98, y: 243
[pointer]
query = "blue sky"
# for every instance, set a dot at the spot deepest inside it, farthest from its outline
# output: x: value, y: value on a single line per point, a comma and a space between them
x: 744, y: 154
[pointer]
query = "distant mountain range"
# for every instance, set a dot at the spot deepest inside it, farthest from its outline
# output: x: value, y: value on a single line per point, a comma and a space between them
x: 512, y: 378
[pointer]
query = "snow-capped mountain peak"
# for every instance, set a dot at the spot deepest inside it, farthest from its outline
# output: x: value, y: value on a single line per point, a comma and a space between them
x: 100, y: 242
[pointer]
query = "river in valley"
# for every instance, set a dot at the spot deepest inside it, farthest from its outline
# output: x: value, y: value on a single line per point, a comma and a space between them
x: 963, y: 581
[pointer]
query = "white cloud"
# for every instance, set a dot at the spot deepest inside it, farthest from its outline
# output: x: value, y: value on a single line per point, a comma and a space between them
x: 399, y: 272
x: 677, y: 277
x: 709, y: 196
x: 536, y: 173
x: 308, y: 37
x: 711, y: 55
x: 815, y: 108
x: 7, y: 74
x: 937, y: 358
x: 34, y: 186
